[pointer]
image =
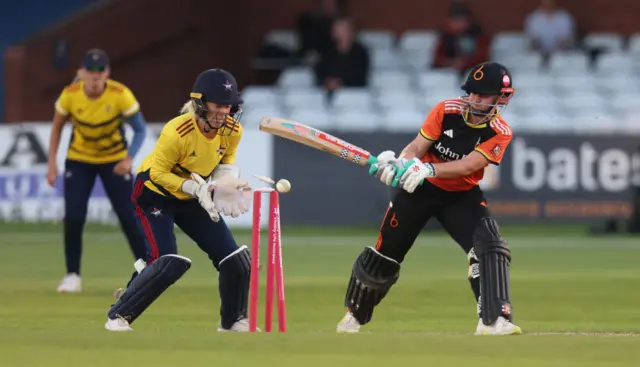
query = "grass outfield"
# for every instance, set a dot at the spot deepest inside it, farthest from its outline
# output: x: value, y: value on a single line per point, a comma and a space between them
x: 575, y: 297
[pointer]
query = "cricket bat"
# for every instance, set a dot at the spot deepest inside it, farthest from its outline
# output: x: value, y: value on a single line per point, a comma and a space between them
x: 314, y: 138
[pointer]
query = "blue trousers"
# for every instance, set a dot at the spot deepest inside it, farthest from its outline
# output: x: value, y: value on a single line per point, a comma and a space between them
x: 157, y: 214
x: 79, y: 179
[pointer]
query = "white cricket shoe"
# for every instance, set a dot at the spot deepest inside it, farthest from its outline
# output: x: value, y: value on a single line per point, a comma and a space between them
x: 348, y: 324
x: 117, y: 324
x: 241, y: 326
x: 71, y: 283
x: 501, y: 326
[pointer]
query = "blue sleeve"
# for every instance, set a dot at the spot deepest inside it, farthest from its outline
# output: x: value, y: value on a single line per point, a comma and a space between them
x: 139, y: 126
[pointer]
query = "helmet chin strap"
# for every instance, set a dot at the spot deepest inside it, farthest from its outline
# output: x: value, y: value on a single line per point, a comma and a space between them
x: 486, y: 116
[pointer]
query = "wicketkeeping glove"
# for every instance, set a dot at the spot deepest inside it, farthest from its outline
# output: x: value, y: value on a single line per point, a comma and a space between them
x: 203, y: 192
x: 232, y: 196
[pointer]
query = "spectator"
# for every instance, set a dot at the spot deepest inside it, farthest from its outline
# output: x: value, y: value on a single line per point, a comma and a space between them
x: 462, y: 42
x: 550, y: 29
x: 314, y: 27
x: 346, y: 62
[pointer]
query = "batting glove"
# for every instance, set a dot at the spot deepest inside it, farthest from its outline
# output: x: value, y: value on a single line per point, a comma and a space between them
x: 414, y: 174
x: 386, y: 167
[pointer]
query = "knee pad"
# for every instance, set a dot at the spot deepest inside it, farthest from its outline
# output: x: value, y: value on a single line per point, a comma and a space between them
x: 495, y: 260
x: 487, y: 238
x: 145, y: 287
x: 372, y: 276
x: 233, y: 285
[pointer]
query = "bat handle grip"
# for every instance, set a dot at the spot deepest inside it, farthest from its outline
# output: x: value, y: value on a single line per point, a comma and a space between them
x: 371, y: 162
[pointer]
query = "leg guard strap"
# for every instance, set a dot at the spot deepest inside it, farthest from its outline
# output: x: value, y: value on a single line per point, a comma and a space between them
x: 372, y: 276
x: 148, y: 285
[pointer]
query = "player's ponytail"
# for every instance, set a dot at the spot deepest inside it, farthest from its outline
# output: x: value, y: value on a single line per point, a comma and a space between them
x: 78, y: 77
x: 188, y: 107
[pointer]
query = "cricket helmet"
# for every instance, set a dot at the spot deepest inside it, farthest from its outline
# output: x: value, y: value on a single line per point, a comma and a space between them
x: 490, y: 79
x: 218, y: 86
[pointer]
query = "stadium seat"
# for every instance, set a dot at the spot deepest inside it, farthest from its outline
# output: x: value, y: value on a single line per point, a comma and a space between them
x: 513, y: 117
x: 535, y: 102
x: 545, y: 122
x: 614, y: 63
x: 600, y: 123
x: 384, y: 59
x: 321, y: 119
x: 610, y: 42
x: 569, y: 63
x: 418, y: 40
x: 438, y: 78
x: 259, y: 96
x: 533, y: 83
x: 508, y: 43
x: 570, y: 83
x: 377, y: 39
x: 417, y: 48
x: 390, y: 80
x: 297, y: 77
x: 618, y: 83
x: 625, y: 103
x: 427, y: 100
x: 352, y: 98
x: 520, y: 62
x: 388, y: 99
x: 285, y: 38
x: 311, y: 98
x: 251, y: 116
x: 402, y: 120
x: 356, y: 120
x: 584, y: 102
x: 634, y: 44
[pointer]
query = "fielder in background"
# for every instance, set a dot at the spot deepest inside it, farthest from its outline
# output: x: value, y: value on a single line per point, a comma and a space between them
x: 170, y: 189
x: 98, y: 107
x: 439, y: 172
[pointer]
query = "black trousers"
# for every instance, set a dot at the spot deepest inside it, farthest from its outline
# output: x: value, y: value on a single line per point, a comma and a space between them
x: 458, y: 212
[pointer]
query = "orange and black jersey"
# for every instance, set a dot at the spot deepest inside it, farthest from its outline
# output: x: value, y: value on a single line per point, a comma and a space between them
x: 453, y: 139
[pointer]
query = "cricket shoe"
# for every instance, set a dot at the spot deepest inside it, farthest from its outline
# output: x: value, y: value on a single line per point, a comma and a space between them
x: 501, y: 326
x: 117, y: 324
x: 71, y: 283
x: 348, y: 324
x: 241, y: 326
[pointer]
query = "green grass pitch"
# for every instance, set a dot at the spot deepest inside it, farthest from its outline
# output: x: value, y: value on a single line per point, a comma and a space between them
x: 576, y: 297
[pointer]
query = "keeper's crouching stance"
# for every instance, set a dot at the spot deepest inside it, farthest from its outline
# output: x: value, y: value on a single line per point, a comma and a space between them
x: 202, y: 141
x: 439, y: 174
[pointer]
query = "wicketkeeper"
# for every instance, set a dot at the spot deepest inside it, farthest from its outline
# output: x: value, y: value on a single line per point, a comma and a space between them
x: 202, y: 141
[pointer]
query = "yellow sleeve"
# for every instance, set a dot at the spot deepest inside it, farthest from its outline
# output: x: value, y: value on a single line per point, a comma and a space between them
x: 230, y: 153
x: 128, y: 103
x: 63, y: 104
x: 165, y: 156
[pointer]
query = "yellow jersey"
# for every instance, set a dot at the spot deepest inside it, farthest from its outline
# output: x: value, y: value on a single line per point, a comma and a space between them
x: 182, y: 149
x: 98, y: 130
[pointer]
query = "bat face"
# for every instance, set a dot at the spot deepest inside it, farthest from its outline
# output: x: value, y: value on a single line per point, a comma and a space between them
x: 315, y: 138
